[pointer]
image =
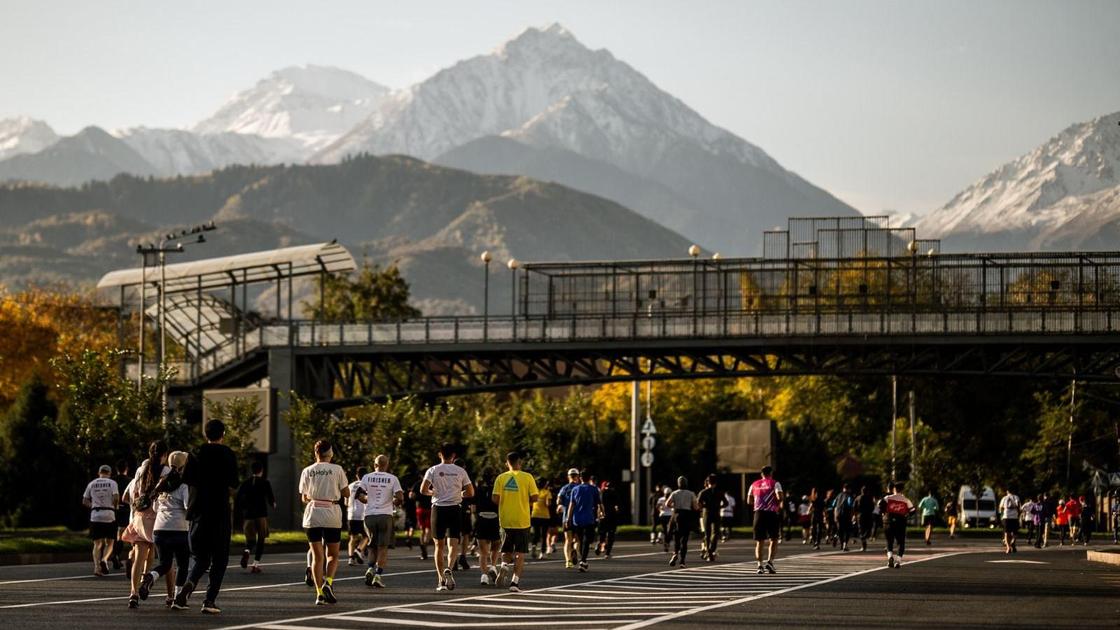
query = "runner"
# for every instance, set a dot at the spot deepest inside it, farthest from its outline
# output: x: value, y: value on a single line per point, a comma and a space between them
x: 466, y: 529
x: 321, y: 487
x: 765, y: 499
x: 1061, y: 521
x: 951, y: 513
x: 653, y: 502
x: 447, y: 484
x: 140, y: 530
x: 712, y: 501
x: 727, y: 516
x: 255, y: 497
x: 541, y: 519
x: 583, y: 511
x: 1088, y: 522
x: 211, y: 474
x: 170, y: 531
x: 1073, y: 518
x: 816, y: 518
x: 409, y: 509
x: 664, y: 516
x: 124, y: 512
x: 381, y: 493
x: 1025, y: 512
x: 1038, y: 509
x: 514, y: 491
x: 865, y: 512
x: 843, y: 515
x: 101, y: 498
x: 896, y: 510
x: 928, y: 508
x: 612, y: 515
x: 562, y: 499
x: 423, y: 516
x: 805, y: 519
x: 1009, y: 514
x: 830, y: 517
x: 488, y: 532
x: 685, y: 507
x: 355, y: 520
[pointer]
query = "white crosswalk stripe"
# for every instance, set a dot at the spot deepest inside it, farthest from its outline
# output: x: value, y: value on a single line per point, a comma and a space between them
x: 619, y: 603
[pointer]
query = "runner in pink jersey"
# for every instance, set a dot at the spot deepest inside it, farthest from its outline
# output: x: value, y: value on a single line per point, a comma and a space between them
x: 766, y: 498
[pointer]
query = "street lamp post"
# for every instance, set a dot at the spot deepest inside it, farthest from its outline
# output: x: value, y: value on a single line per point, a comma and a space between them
x: 513, y: 265
x: 694, y: 251
x: 486, y: 258
x: 162, y: 250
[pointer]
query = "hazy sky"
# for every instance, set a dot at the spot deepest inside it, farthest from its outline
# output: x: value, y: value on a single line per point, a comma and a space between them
x: 888, y: 105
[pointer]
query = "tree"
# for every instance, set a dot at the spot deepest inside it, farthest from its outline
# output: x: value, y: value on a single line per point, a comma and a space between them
x: 242, y: 417
x: 375, y: 294
x: 38, y: 481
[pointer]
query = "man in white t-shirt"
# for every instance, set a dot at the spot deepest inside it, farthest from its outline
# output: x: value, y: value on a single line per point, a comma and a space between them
x: 355, y: 514
x: 382, y: 495
x: 322, y: 486
x: 447, y: 484
x: 101, y: 499
x: 1009, y: 514
x: 727, y: 516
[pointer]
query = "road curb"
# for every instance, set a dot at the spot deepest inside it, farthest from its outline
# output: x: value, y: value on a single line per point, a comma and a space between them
x: 1107, y: 557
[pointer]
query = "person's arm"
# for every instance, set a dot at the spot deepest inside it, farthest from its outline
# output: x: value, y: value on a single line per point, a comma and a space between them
x: 468, y: 490
x: 398, y: 498
x: 426, y: 487
x: 268, y: 493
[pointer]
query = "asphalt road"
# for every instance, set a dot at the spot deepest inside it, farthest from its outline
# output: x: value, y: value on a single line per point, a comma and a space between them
x: 953, y: 583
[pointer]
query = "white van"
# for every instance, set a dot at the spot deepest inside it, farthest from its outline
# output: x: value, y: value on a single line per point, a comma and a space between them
x: 977, y: 512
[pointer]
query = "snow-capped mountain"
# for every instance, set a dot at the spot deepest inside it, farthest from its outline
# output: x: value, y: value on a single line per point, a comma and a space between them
x: 1045, y: 199
x: 24, y: 135
x: 179, y: 152
x: 313, y: 105
x: 546, y: 89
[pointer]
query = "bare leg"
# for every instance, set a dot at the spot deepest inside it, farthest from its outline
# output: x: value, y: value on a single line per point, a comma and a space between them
x: 332, y: 560
x: 317, y: 573
x: 441, y: 557
x: 518, y: 564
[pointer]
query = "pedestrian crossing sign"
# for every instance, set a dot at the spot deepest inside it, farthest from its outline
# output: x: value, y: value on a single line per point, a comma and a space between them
x: 648, y: 428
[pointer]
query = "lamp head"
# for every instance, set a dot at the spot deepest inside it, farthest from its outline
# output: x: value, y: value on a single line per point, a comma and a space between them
x: 694, y: 251
x: 716, y: 256
x: 513, y: 264
x: 486, y: 257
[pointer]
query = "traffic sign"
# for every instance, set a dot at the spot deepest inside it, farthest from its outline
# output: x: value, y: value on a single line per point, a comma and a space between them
x: 648, y: 442
x: 648, y: 428
x: 647, y: 459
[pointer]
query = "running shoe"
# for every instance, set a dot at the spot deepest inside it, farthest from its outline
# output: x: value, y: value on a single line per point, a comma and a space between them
x: 466, y: 566
x: 703, y: 554
x: 146, y: 585
x: 583, y: 567
x: 320, y: 600
x: 681, y: 565
x: 863, y: 545
x: 485, y: 581
x: 307, y: 577
x: 210, y: 608
x: 328, y: 593
x: 370, y: 575
x: 182, y: 596
x: 104, y: 567
x: 448, y: 579
x: 761, y: 570
x: 769, y: 566
x: 133, y: 601
x: 378, y: 582
x: 607, y: 557
x: 515, y: 588
x: 256, y: 568
x: 169, y: 602
x: 244, y: 558
x: 568, y: 564
x: 502, y: 575
x: 351, y: 562
x: 493, y: 571
x: 898, y: 562
x: 441, y: 587
x: 890, y: 560
x: 673, y: 561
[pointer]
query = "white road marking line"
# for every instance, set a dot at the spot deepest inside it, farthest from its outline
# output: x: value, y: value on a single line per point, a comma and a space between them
x: 390, y: 621
x: 69, y: 577
x: 743, y: 600
x: 447, y: 613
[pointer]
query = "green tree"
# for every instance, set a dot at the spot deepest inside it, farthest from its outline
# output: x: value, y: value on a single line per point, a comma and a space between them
x: 242, y: 417
x: 373, y: 294
x: 38, y: 481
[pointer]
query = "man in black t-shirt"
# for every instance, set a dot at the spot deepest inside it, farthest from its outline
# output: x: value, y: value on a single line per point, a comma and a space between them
x: 423, y: 516
x: 711, y: 500
x: 212, y: 475
x: 254, y: 497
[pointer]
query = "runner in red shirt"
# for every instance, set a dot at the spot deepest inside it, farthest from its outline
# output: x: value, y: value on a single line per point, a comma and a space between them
x: 896, y: 509
x: 1073, y: 516
x: 766, y: 498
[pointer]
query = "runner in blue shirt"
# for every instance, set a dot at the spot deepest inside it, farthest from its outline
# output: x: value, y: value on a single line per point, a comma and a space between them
x: 584, y: 509
x: 563, y: 497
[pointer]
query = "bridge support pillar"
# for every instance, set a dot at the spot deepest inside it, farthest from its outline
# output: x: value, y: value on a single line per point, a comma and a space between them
x: 282, y: 470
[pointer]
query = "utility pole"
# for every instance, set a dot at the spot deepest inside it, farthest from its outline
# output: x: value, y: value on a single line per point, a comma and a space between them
x: 913, y: 441
x: 635, y: 467
x: 1069, y: 442
x: 894, y: 417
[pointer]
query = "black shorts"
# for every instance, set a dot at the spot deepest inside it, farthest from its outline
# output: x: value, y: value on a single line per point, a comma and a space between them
x: 487, y: 529
x: 468, y: 528
x: 515, y: 540
x: 929, y: 519
x: 123, y: 515
x: 447, y: 521
x: 101, y: 531
x: 1011, y: 525
x: 766, y: 525
x: 540, y: 523
x: 357, y: 528
x: 325, y: 535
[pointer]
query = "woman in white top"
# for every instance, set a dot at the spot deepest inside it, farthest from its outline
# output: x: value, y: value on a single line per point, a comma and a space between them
x: 322, y: 486
x: 170, y: 533
x: 140, y: 528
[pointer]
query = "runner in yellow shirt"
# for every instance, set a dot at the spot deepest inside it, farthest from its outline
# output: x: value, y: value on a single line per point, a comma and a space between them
x: 541, y: 519
x: 514, y: 491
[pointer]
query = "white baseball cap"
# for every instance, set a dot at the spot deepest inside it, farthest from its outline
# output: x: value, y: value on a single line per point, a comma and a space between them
x: 573, y: 472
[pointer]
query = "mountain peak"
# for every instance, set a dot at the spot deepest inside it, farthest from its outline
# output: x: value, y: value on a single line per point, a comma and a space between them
x: 23, y: 134
x: 550, y: 39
